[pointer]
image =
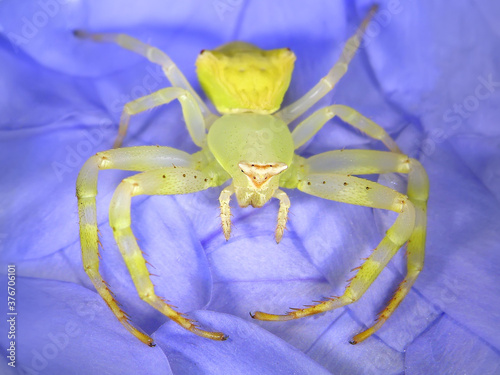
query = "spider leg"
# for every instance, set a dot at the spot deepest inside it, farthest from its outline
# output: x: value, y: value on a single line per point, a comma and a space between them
x: 134, y: 158
x: 369, y: 162
x: 225, y: 210
x: 326, y: 84
x: 324, y: 180
x: 312, y: 124
x: 156, y: 56
x: 166, y: 181
x: 282, y: 213
x: 362, y: 192
x: 191, y: 111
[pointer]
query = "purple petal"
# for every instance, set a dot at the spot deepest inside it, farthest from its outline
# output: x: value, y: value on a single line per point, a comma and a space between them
x: 63, y: 328
x: 461, y: 272
x: 427, y: 72
x: 448, y: 347
x: 249, y: 349
x: 340, y: 357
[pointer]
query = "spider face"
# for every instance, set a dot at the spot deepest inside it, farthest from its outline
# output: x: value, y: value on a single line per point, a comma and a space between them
x: 261, y: 174
x: 263, y: 181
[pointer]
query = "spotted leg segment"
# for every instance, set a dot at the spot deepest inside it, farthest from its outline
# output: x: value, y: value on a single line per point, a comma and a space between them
x: 192, y: 114
x: 136, y: 159
x: 370, y: 162
x: 166, y: 181
x: 418, y: 192
x: 156, y: 56
x: 326, y: 84
x: 322, y: 180
x: 362, y: 192
x: 312, y: 124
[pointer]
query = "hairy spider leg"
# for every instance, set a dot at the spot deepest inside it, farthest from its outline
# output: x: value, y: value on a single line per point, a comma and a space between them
x: 348, y: 162
x: 192, y: 115
x: 135, y: 159
x: 156, y: 56
x: 326, y: 84
x: 418, y: 192
x: 306, y: 129
x: 362, y: 192
x: 375, y: 162
x: 167, y: 181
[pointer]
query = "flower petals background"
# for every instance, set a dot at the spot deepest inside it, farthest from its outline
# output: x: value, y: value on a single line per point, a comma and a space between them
x: 427, y: 72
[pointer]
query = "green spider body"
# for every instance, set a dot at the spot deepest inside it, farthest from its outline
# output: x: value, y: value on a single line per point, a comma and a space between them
x: 247, y: 85
x: 263, y: 142
x: 251, y: 144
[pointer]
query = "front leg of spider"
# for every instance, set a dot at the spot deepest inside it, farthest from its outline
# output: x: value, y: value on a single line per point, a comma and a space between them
x: 166, y: 181
x: 136, y: 159
x: 328, y: 178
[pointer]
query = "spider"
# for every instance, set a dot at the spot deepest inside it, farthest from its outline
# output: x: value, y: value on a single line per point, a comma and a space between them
x: 251, y: 144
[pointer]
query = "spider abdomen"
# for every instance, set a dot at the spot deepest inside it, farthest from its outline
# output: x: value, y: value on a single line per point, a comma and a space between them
x: 240, y: 77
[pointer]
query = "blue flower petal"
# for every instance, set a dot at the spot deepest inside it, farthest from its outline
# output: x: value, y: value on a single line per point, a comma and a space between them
x: 249, y: 349
x: 448, y: 347
x: 340, y: 357
x: 63, y: 328
x: 462, y: 261
x: 427, y: 72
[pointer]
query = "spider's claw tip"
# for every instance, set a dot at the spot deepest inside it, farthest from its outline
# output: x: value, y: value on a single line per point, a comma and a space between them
x: 252, y: 315
x: 152, y: 344
x: 353, y: 342
x: 224, y: 338
x: 80, y: 34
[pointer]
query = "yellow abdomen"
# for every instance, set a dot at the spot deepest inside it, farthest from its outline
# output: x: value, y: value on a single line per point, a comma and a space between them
x: 239, y: 77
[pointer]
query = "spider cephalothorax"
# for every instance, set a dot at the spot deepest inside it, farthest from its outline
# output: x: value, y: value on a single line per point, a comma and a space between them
x: 251, y: 145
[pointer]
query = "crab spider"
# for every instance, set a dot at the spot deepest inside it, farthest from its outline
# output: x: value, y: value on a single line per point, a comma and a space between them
x: 251, y: 144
